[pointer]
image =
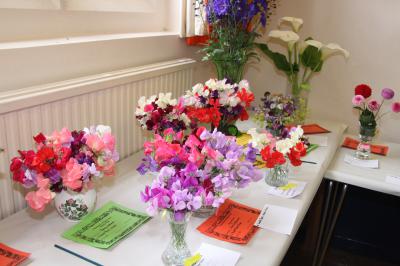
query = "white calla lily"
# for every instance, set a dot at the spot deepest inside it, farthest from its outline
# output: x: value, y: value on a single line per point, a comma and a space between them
x: 314, y: 43
x: 287, y: 36
x: 296, y: 23
x: 331, y: 48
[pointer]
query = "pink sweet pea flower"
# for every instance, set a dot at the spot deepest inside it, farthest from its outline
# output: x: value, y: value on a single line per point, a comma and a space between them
x: 72, y: 175
x: 358, y: 100
x: 148, y: 108
x: 95, y: 142
x: 373, y: 105
x: 109, y: 141
x: 38, y: 200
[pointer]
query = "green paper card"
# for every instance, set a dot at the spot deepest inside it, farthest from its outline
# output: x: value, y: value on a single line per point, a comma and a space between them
x: 106, y: 226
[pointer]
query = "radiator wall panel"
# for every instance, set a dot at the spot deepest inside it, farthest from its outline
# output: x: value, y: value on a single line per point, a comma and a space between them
x: 114, y: 106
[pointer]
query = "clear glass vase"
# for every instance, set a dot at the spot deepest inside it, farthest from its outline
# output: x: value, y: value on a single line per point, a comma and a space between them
x: 177, y: 250
x: 300, y: 97
x: 230, y: 69
x: 278, y: 176
x: 366, y: 135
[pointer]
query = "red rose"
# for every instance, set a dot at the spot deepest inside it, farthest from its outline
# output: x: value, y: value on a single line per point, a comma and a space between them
x: 364, y: 90
x: 39, y: 138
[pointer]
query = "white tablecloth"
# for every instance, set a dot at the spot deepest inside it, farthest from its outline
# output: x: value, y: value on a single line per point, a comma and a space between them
x: 37, y: 233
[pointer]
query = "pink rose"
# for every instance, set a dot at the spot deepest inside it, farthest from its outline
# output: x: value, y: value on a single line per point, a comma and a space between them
x: 358, y: 100
x: 373, y: 105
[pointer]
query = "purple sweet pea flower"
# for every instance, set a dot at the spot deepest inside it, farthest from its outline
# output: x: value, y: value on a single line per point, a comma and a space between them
x: 251, y: 154
x: 54, y: 176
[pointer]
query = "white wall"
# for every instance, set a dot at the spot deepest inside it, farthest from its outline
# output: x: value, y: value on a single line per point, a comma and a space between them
x: 370, y: 30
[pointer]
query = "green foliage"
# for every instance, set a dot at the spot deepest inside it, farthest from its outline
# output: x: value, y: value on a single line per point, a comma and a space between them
x: 367, y: 119
x: 279, y: 60
x: 311, y: 57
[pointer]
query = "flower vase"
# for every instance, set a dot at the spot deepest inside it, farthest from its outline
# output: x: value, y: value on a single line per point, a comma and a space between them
x: 177, y: 250
x: 73, y: 206
x: 366, y: 135
x: 230, y: 69
x: 278, y: 176
x: 300, y: 97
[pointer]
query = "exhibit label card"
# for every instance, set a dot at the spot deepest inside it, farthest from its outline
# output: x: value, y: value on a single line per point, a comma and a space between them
x: 106, y: 226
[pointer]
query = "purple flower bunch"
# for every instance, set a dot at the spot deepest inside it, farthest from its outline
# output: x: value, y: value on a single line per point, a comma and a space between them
x: 276, y: 110
x: 197, y: 170
x: 241, y: 12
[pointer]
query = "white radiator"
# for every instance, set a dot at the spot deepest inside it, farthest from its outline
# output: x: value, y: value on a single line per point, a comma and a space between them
x: 108, y: 98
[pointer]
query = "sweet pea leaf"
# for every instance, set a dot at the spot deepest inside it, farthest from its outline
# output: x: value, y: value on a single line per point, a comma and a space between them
x: 279, y: 60
x: 311, y: 57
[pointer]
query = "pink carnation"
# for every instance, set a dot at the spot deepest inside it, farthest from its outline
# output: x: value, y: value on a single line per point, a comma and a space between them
x: 396, y: 107
x: 373, y: 105
x: 358, y: 100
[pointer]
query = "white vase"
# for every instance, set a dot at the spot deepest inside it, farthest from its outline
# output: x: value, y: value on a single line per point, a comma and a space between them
x: 73, y: 206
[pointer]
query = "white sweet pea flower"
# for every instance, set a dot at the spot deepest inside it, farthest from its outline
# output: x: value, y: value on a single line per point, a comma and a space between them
x: 296, y: 134
x: 211, y: 84
x: 296, y: 23
x: 287, y: 36
x: 331, y: 48
x: 284, y: 145
x: 102, y: 129
x: 164, y: 99
x: 244, y: 84
x: 233, y: 101
x: 198, y: 88
x: 258, y: 140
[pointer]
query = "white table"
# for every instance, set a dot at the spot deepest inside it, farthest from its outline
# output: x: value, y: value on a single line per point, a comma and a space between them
x: 373, y: 179
x: 341, y: 174
x: 37, y: 234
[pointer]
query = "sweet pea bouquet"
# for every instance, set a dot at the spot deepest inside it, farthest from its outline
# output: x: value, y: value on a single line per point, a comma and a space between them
x: 219, y: 103
x: 275, y: 112
x: 195, y: 170
x: 370, y: 109
x: 64, y: 160
x: 160, y: 112
x: 277, y: 152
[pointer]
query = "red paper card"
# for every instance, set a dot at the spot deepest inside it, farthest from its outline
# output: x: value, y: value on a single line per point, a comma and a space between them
x: 233, y: 222
x: 313, y: 129
x: 10, y: 256
x: 377, y: 149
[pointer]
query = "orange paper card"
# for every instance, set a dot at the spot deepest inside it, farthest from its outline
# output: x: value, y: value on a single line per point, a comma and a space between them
x: 233, y: 222
x: 314, y: 129
x: 10, y: 256
x: 377, y: 149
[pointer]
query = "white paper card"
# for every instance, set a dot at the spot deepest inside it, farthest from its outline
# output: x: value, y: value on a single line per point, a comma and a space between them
x: 216, y: 256
x: 361, y: 163
x: 322, y: 141
x: 276, y: 218
x: 291, y: 190
x: 395, y: 180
